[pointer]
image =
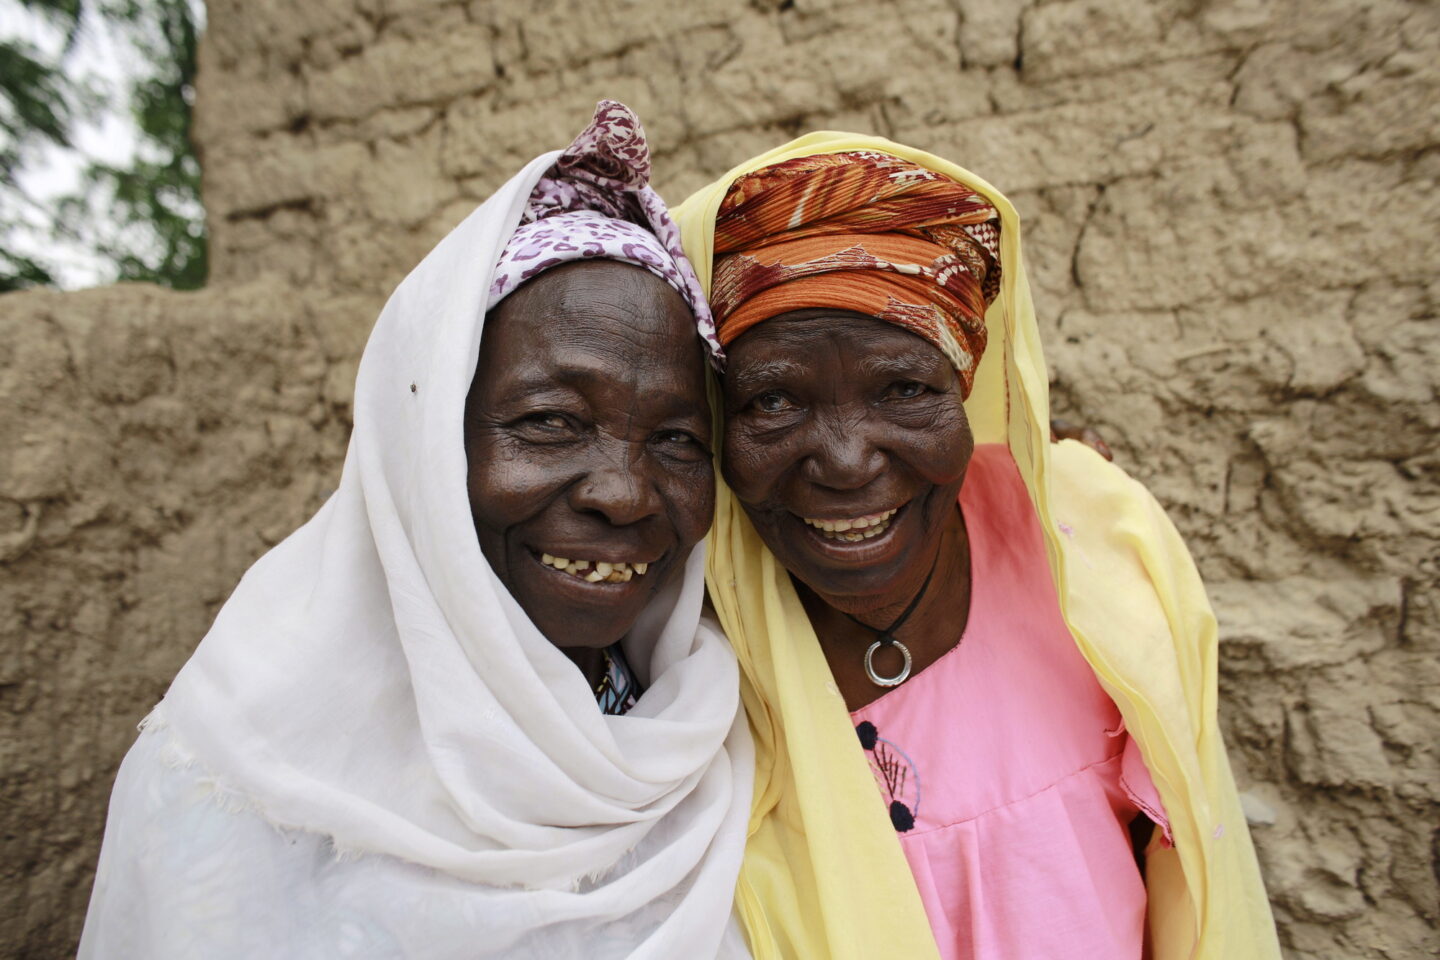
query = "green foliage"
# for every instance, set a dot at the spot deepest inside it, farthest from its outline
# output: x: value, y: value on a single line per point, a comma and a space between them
x: 145, y: 217
x: 40, y: 105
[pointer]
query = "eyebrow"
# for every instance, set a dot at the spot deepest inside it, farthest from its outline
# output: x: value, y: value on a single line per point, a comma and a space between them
x: 763, y: 374
x: 532, y: 388
x: 906, y: 364
x: 574, y: 371
x: 575, y: 379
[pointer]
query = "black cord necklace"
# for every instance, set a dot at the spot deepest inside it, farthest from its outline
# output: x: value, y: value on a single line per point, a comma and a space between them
x: 887, y: 636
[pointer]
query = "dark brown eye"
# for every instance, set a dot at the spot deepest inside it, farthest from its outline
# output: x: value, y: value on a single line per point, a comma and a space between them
x: 906, y: 389
x: 681, y: 445
x: 677, y: 437
x: 772, y: 402
x: 547, y: 421
x: 544, y: 427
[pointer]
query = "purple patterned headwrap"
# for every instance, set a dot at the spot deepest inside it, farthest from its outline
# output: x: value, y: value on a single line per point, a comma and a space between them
x: 596, y: 203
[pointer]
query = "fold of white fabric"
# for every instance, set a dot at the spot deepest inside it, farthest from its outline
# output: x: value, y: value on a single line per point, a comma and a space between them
x: 374, y: 729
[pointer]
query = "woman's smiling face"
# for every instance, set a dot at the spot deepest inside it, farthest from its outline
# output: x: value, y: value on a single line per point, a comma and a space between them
x: 587, y: 433
x: 846, y: 442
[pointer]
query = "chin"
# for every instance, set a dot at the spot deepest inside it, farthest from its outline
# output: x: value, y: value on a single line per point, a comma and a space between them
x: 583, y: 628
x: 858, y: 584
x: 596, y: 642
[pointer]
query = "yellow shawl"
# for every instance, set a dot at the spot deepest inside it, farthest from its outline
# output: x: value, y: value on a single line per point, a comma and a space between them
x: 823, y: 874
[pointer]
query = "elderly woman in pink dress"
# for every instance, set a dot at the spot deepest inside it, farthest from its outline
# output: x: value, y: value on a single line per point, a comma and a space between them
x: 980, y: 668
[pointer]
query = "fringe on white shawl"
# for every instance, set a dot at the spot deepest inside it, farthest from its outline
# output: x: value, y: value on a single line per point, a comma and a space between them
x: 176, y: 756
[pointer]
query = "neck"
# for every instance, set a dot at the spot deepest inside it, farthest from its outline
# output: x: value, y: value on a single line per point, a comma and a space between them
x: 932, y: 629
x: 590, y: 660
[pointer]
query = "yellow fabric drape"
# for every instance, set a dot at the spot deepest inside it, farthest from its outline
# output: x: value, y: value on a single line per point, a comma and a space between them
x: 823, y: 874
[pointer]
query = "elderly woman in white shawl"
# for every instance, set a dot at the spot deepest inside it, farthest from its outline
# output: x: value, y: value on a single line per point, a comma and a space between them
x: 417, y: 728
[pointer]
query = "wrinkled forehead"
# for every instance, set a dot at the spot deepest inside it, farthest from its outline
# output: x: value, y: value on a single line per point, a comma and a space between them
x: 610, y: 318
x: 802, y: 337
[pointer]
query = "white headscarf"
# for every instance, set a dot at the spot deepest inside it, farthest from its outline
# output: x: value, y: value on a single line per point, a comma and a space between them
x: 374, y: 753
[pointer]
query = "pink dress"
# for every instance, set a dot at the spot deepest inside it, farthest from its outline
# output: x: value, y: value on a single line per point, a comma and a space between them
x: 1006, y: 768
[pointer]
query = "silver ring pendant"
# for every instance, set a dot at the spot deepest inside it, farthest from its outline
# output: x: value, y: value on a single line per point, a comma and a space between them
x: 878, y: 680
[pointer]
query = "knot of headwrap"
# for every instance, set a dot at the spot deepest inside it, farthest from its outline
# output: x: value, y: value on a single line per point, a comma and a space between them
x: 862, y: 231
x: 596, y: 203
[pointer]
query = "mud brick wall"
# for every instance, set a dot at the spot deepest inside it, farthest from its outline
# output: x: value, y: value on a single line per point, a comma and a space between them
x: 1232, y: 223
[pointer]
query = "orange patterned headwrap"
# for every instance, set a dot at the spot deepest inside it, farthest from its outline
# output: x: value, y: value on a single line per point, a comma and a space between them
x: 860, y: 231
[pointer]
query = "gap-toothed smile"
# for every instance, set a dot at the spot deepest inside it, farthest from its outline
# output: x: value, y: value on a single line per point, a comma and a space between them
x: 596, y: 571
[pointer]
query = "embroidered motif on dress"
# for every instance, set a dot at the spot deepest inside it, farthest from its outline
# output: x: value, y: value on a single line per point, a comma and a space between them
x: 895, y: 775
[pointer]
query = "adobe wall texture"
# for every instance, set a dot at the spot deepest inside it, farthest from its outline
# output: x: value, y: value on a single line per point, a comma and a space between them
x: 1232, y: 222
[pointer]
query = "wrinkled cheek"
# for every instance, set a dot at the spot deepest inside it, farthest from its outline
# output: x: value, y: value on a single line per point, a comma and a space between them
x: 745, y: 480
x: 690, y: 503
x: 949, y: 468
x: 752, y: 467
x: 945, y: 449
x: 505, y: 494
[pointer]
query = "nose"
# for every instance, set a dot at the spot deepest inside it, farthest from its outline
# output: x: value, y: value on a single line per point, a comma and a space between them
x: 620, y: 490
x: 843, y: 456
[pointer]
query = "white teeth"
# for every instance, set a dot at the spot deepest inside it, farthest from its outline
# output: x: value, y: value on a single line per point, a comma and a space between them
x: 609, y: 571
x: 854, y: 529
